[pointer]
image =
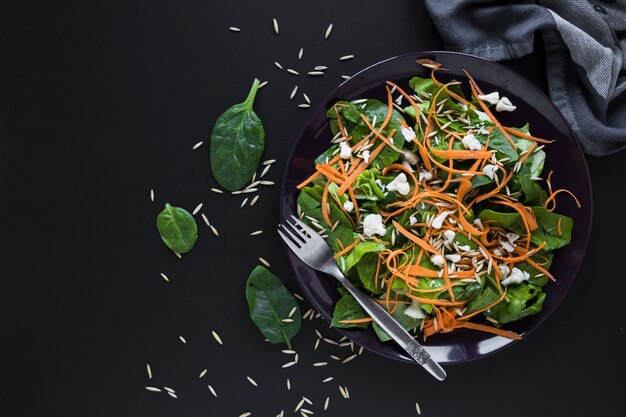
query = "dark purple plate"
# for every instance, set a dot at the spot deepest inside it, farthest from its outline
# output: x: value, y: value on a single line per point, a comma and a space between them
x: 564, y: 156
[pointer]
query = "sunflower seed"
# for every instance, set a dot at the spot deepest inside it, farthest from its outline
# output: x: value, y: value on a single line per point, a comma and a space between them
x: 216, y: 337
x: 293, y: 93
x: 330, y: 29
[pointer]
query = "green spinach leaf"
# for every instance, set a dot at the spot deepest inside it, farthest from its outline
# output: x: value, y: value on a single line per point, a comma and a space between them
x: 534, y: 195
x: 521, y: 300
x: 361, y: 249
x: 487, y: 296
x: 405, y: 321
x: 310, y: 202
x: 533, y: 165
x: 237, y: 142
x: 366, y: 269
x: 348, y: 308
x: 503, y: 147
x: 270, y: 302
x: 177, y: 228
x: 548, y: 223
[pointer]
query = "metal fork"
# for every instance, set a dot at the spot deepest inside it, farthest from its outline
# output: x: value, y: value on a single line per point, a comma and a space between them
x: 311, y: 248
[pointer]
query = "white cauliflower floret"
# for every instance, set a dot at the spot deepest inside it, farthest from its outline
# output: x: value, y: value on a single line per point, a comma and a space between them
x: 373, y: 225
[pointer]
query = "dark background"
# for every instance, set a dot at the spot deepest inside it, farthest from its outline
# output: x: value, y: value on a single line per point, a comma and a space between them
x: 102, y: 101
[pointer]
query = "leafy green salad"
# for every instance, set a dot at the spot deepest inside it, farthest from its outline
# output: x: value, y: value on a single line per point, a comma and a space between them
x: 435, y: 209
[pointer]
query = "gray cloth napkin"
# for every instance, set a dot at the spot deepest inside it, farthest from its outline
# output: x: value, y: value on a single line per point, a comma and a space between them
x: 585, y: 46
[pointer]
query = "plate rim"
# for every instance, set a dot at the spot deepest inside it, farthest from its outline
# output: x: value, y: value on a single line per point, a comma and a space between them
x: 586, y: 178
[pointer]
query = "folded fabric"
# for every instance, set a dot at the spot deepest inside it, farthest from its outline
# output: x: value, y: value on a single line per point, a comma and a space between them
x: 584, y: 43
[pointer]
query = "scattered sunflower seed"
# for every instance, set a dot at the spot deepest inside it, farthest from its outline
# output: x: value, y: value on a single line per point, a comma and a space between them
x: 330, y: 29
x: 216, y: 337
x: 293, y: 93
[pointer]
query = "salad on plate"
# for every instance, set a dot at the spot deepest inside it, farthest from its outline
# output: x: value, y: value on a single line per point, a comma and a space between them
x: 435, y: 209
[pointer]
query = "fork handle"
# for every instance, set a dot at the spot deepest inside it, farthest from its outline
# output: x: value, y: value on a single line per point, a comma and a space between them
x: 392, y: 327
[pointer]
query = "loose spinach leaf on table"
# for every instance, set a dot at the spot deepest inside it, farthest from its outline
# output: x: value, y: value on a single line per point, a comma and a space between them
x: 237, y: 142
x: 177, y: 228
x: 270, y: 302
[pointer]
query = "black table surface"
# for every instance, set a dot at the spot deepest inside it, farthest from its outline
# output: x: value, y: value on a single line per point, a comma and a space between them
x: 100, y: 102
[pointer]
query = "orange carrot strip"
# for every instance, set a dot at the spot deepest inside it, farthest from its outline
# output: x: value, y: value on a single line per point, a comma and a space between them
x: 362, y: 167
x: 523, y: 135
x: 534, y: 264
x: 377, y: 133
x: 489, y: 329
x: 325, y: 213
x: 555, y: 193
x: 461, y: 154
x: 357, y: 321
x: 495, y: 121
x: 308, y: 180
x: 420, y: 242
x: 347, y: 248
x: 435, y: 302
